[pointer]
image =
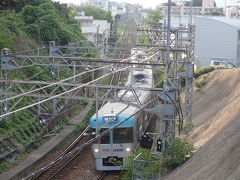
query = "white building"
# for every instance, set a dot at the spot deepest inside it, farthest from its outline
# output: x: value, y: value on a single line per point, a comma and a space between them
x: 101, y: 25
x: 88, y: 30
x: 143, y: 13
x: 116, y: 8
x: 206, y: 4
x: 102, y: 4
x: 92, y: 29
x: 217, y: 38
x: 233, y: 9
x: 233, y: 3
x: 177, y: 10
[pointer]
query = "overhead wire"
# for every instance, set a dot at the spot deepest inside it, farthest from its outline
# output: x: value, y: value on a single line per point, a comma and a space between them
x: 89, y: 142
x: 58, y: 95
x: 56, y: 83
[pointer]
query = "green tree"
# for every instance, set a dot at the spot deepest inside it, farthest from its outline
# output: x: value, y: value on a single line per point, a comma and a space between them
x: 64, y: 12
x: 154, y: 16
x: 31, y: 14
x: 45, y: 22
x: 150, y: 159
x: 178, y: 152
x: 5, y: 42
x: 97, y: 13
x: 22, y: 3
x: 8, y: 4
x: 49, y: 27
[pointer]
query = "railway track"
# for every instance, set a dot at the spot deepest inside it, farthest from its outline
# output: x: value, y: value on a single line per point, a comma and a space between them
x: 80, y: 164
x: 53, y: 171
x: 102, y: 176
x: 109, y: 175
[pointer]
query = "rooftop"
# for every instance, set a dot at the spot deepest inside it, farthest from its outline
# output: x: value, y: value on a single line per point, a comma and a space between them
x: 231, y: 22
x: 84, y: 17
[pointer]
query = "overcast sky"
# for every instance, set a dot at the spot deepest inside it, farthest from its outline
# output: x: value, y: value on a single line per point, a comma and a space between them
x: 145, y: 3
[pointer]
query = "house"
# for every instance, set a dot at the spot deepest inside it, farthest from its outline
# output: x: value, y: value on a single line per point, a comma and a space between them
x: 102, y: 4
x: 92, y: 29
x: 88, y: 30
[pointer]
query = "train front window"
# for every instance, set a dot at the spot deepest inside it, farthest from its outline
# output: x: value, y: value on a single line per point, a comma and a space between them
x: 106, y: 138
x: 123, y: 135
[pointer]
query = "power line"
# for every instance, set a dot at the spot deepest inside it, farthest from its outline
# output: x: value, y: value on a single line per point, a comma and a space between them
x: 80, y: 148
x: 53, y: 97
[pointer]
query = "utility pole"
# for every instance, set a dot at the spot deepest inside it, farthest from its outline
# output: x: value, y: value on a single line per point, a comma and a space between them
x: 190, y: 12
x: 168, y: 33
x: 226, y: 8
x: 169, y: 119
x: 4, y: 75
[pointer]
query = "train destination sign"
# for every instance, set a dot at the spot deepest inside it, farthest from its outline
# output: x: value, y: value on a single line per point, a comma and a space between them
x: 110, y: 118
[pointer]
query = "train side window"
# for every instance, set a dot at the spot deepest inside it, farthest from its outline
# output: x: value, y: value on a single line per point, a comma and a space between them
x: 106, y: 138
x: 123, y: 135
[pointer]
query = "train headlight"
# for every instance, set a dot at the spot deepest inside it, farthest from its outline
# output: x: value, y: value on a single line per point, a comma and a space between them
x: 128, y: 149
x: 96, y: 150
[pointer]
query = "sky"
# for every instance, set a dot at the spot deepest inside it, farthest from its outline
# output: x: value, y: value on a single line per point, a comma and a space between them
x: 144, y: 3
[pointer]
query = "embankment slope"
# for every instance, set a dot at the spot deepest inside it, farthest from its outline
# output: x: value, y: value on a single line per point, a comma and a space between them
x: 216, y: 133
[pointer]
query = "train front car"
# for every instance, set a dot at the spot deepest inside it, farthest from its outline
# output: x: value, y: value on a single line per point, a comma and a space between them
x: 111, y: 149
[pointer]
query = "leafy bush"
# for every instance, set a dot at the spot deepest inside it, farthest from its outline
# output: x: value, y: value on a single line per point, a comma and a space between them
x: 97, y: 13
x: 5, y: 42
x: 178, y: 153
x: 143, y: 39
x: 12, y: 32
x: 205, y: 70
x: 159, y: 76
x: 201, y: 83
x: 153, y: 17
x: 146, y: 155
x: 12, y: 22
x: 31, y: 14
x: 45, y: 21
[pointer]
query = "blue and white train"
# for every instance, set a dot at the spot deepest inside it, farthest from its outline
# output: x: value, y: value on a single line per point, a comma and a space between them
x: 111, y: 150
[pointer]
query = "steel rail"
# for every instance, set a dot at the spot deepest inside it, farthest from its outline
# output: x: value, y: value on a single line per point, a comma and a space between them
x: 102, y: 176
x: 68, y: 161
x: 80, y: 148
x: 68, y: 149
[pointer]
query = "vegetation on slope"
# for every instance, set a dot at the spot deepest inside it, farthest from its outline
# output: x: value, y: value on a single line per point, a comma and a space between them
x: 150, y: 167
x: 35, y: 22
x: 24, y: 25
x: 205, y: 70
x: 173, y: 156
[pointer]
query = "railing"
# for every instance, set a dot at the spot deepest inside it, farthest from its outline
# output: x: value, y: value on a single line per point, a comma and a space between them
x: 145, y: 169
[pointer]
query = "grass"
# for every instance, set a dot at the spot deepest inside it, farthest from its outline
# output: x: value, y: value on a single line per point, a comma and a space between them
x: 177, y: 153
x: 38, y: 141
x: 150, y: 166
x: 205, y: 70
x: 201, y: 83
x: 174, y: 155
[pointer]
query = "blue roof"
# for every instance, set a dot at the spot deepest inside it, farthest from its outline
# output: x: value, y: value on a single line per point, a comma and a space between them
x: 112, y: 121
